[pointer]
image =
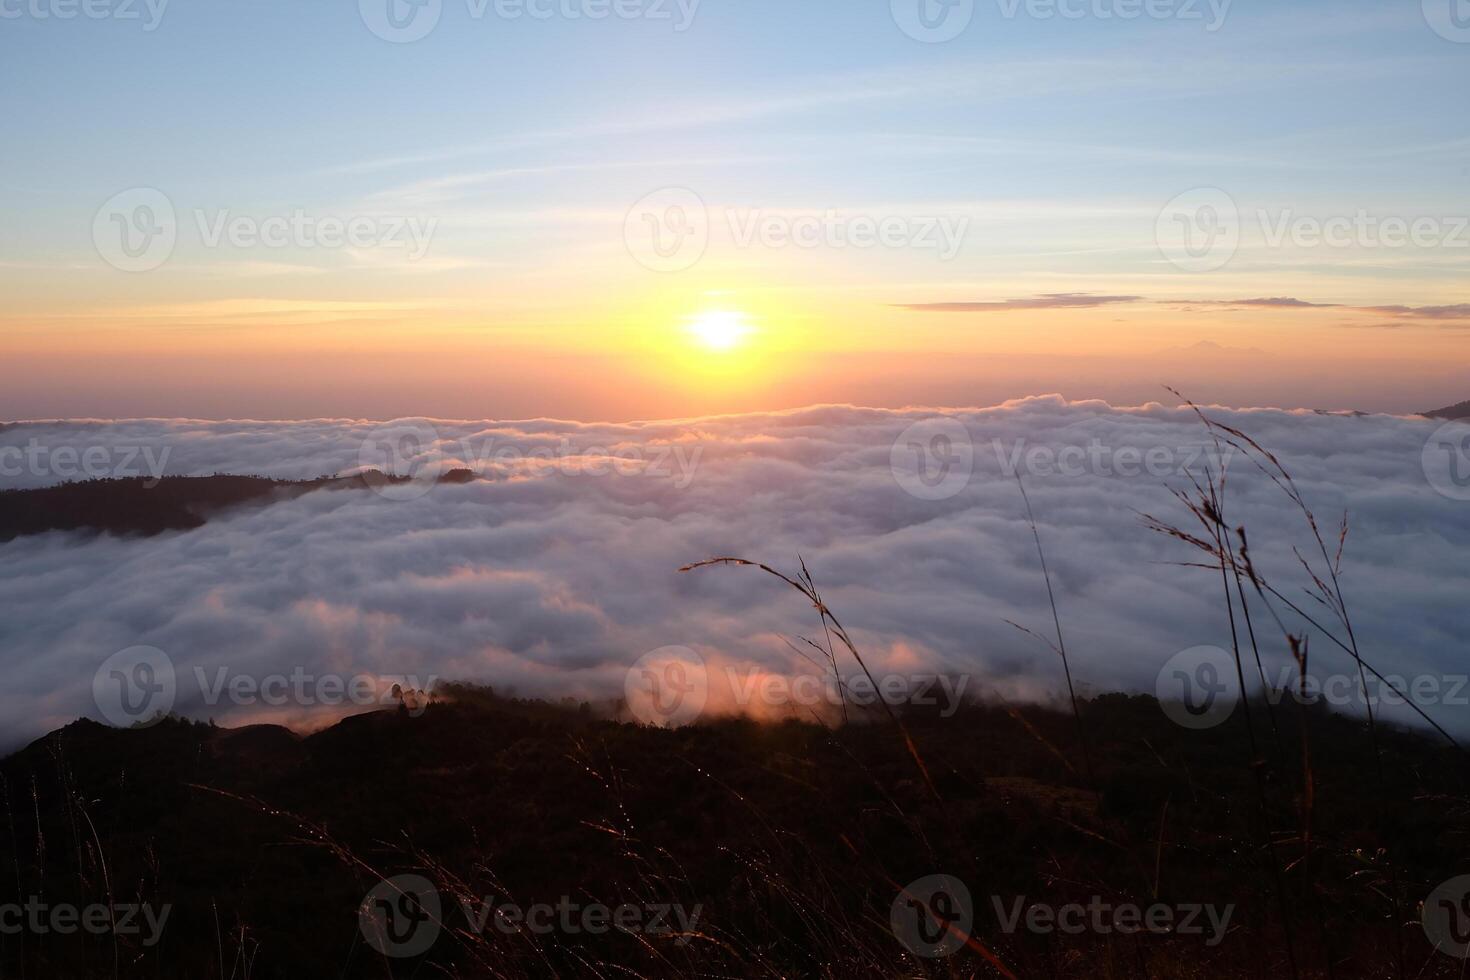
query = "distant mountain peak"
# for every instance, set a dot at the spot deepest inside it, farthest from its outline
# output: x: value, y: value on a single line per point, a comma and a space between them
x: 1460, y: 411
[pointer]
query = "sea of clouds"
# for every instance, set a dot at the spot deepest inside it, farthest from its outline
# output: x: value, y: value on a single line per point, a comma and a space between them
x: 558, y: 568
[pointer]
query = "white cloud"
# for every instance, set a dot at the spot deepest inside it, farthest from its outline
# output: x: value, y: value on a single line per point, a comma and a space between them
x: 553, y: 581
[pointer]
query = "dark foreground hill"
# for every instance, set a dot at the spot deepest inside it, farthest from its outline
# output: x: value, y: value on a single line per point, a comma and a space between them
x: 761, y: 850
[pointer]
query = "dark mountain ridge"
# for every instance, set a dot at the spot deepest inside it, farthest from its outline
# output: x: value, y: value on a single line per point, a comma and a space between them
x: 147, y: 506
x: 1459, y: 411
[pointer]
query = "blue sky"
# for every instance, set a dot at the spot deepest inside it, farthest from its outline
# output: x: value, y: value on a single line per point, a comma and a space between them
x: 1060, y: 138
x: 262, y: 94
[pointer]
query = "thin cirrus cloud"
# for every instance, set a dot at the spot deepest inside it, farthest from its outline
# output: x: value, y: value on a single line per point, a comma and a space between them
x: 551, y: 580
x: 1458, y: 311
x: 1046, y: 301
x: 1276, y: 302
x: 1077, y: 301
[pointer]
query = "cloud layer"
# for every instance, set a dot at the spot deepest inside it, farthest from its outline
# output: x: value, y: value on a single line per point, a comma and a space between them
x: 558, y: 570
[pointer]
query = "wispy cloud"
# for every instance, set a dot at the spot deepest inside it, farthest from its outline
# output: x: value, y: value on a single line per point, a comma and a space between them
x: 447, y: 187
x: 1458, y: 311
x: 1450, y: 312
x: 1046, y: 301
x: 993, y: 81
x: 1279, y: 302
x: 814, y: 94
x: 1453, y: 316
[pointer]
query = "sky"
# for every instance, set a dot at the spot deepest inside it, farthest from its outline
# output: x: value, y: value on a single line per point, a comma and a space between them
x: 273, y: 210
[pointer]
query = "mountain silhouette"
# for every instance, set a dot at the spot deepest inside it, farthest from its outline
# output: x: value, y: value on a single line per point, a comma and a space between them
x: 1460, y: 411
x: 145, y: 506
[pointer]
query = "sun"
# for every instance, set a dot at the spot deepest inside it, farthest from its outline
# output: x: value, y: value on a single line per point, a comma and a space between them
x: 720, y: 330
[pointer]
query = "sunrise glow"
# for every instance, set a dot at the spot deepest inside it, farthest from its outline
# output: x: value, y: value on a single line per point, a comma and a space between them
x: 720, y: 330
x: 576, y: 451
x: 773, y: 231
